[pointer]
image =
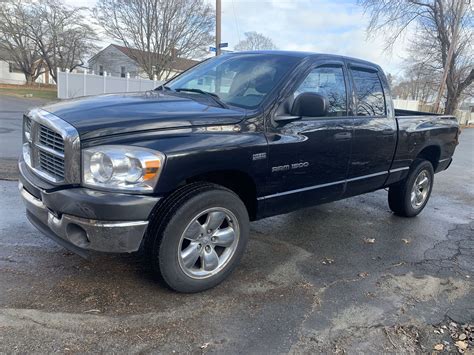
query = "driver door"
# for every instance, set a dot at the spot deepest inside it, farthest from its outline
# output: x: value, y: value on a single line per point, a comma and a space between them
x: 309, y: 157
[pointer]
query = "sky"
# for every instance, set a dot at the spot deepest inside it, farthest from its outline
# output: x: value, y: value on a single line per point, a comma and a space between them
x: 324, y: 26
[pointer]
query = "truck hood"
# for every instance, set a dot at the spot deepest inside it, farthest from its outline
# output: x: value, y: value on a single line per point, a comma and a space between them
x: 104, y: 115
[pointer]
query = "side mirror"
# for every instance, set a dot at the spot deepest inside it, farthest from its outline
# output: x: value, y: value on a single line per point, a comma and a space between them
x: 309, y: 104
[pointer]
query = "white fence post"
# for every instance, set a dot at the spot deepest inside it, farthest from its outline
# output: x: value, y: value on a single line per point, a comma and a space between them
x: 67, y: 83
x: 105, y: 78
x: 58, y: 80
x: 154, y: 81
x: 84, y: 91
x: 127, y: 82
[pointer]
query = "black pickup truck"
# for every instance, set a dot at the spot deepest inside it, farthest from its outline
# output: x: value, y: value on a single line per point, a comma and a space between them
x: 181, y: 170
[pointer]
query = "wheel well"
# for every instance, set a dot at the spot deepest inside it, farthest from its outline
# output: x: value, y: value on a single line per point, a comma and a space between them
x: 432, y: 154
x: 239, y: 182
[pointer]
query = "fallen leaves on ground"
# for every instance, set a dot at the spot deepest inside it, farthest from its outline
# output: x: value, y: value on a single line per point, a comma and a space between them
x: 327, y: 261
x: 462, y: 336
x: 461, y: 345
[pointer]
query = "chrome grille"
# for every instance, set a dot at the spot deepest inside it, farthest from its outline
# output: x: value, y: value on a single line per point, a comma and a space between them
x: 51, y: 147
x: 51, y: 164
x: 27, y: 124
x: 51, y: 139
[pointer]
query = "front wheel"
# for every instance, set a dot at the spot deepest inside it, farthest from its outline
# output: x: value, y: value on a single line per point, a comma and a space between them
x: 201, y: 239
x: 410, y: 196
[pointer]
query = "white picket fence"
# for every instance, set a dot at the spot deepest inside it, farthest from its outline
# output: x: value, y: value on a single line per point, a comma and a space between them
x: 72, y: 85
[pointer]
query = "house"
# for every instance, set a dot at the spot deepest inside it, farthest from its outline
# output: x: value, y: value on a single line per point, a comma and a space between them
x: 117, y: 60
x: 11, y: 74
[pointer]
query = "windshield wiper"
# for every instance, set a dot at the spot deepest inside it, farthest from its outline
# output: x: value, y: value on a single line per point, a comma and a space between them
x: 213, y: 96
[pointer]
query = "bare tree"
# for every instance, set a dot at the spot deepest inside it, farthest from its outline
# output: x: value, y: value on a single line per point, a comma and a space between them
x: 419, y: 83
x: 254, y: 41
x: 61, y: 34
x: 435, y: 24
x: 161, y: 30
x: 15, y: 44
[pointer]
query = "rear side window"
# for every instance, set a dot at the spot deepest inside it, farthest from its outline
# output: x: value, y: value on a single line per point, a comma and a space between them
x: 369, y: 93
x: 329, y: 82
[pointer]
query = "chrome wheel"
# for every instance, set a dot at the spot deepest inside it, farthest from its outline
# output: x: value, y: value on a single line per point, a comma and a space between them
x: 420, y: 189
x: 208, y: 243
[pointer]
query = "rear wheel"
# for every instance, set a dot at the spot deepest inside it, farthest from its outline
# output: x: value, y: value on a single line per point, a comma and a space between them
x: 201, y: 238
x: 410, y: 196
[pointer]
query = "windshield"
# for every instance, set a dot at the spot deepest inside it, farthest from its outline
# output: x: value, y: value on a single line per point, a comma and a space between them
x: 240, y: 80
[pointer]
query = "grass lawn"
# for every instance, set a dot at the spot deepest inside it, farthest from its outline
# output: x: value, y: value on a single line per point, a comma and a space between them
x: 26, y: 91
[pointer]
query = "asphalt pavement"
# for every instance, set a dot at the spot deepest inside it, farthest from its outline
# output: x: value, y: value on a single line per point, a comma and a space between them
x: 348, y: 276
x: 12, y: 109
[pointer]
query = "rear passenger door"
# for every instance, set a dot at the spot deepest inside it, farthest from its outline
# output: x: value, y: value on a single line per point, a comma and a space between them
x: 375, y: 131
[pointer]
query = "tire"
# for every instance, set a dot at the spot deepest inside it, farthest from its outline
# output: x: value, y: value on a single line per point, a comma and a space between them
x: 400, y: 194
x: 201, y: 219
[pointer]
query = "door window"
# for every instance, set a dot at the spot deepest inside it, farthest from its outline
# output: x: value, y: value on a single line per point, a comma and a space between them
x: 329, y: 82
x: 369, y: 93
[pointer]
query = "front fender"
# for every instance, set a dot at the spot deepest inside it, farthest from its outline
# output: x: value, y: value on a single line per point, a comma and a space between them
x: 199, y: 150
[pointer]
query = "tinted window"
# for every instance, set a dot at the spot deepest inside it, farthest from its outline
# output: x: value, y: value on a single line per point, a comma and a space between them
x: 329, y: 82
x: 369, y: 93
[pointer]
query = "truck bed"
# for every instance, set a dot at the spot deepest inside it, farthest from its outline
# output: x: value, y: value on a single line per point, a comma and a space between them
x: 434, y: 136
x: 401, y: 113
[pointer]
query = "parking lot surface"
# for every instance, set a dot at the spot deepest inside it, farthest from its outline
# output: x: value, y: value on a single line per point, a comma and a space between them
x: 342, y: 277
x: 11, y: 113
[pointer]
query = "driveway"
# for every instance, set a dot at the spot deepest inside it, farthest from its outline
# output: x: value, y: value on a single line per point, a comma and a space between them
x: 347, y: 276
x: 11, y: 118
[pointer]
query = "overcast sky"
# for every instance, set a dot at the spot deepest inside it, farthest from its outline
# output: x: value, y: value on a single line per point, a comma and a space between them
x: 326, y: 26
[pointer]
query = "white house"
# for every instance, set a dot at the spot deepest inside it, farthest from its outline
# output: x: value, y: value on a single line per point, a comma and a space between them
x: 11, y: 74
x: 117, y: 60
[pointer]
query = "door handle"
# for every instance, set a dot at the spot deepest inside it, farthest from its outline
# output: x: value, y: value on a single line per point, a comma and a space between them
x: 343, y: 136
x: 388, y: 132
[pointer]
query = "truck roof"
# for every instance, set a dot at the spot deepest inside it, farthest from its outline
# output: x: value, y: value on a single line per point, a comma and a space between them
x: 307, y: 55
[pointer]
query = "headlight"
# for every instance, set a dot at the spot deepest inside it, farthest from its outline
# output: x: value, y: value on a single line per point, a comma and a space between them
x: 124, y: 168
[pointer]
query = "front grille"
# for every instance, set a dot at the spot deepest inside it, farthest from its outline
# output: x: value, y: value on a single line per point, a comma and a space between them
x: 51, y: 164
x: 27, y: 124
x: 51, y: 139
x: 46, y: 152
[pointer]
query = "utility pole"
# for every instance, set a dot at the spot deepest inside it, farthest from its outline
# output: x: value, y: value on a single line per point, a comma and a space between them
x: 218, y: 27
x: 449, y: 58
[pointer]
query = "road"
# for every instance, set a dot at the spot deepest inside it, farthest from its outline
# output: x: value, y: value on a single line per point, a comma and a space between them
x: 11, y: 117
x: 345, y: 276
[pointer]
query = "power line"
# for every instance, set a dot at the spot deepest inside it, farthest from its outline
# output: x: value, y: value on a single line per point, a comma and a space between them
x: 235, y: 20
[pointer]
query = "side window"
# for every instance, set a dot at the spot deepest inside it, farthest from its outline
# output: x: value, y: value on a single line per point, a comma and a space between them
x: 329, y: 82
x: 369, y: 93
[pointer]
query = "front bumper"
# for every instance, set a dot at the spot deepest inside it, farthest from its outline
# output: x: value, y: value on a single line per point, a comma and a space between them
x: 82, y: 219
